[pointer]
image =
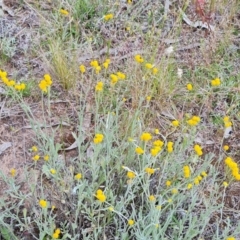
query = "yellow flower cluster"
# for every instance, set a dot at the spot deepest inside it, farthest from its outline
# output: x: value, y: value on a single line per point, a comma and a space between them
x: 170, y: 147
x: 95, y: 65
x: 131, y: 175
x: 215, y: 82
x: 168, y: 183
x: 139, y: 150
x: 45, y: 83
x: 139, y: 59
x: 152, y: 198
x: 98, y: 138
x: 186, y: 171
x: 106, y: 63
x: 194, y: 121
x: 227, y: 122
x: 189, y: 87
x: 175, y: 123
x: 82, y: 68
x: 157, y: 147
x: 56, y: 233
x: 198, y: 149
x: 100, y: 195
x: 11, y: 83
x: 234, y: 167
x: 108, y: 17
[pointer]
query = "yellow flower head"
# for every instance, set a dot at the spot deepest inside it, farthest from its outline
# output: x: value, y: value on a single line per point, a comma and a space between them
x: 189, y: 186
x: 155, y: 151
x: 170, y: 147
x: 225, y: 184
x: 34, y: 148
x: 168, y: 183
x: 98, y: 138
x: 215, y: 82
x: 194, y: 121
x: 94, y: 63
x: 139, y: 150
x: 198, y: 149
x: 78, y: 176
x: 175, y: 123
x: 152, y: 198
x: 155, y: 70
x: 100, y: 195
x: 226, y: 147
x: 148, y: 98
x: 52, y: 171
x: 130, y: 222
x: 186, y: 171
x: 46, y: 157
x: 99, y: 86
x: 139, y: 59
x: 149, y: 171
x: 107, y: 17
x: 36, y: 157
x: 149, y: 65
x: 64, y: 12
x: 189, y: 87
x: 146, y: 136
x: 43, y: 203
x: 156, y: 131
x: 82, y: 68
x: 121, y: 75
x: 13, y: 172
x: 174, y: 191
x: 131, y: 175
x: 114, y: 78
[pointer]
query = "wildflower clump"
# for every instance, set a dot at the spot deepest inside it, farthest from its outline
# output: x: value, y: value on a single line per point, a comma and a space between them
x: 11, y: 83
x: 215, y: 82
x: 100, y: 195
x: 98, y: 138
x: 198, y: 149
x: 194, y: 121
x: 146, y: 136
x: 157, y: 147
x: 234, y: 167
x: 45, y: 83
x: 186, y: 171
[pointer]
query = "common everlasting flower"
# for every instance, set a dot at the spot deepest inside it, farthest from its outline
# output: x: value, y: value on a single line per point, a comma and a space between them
x: 78, y: 176
x: 46, y: 157
x: 52, y: 171
x: 174, y: 191
x: 131, y: 175
x: 107, y: 17
x: 186, y: 171
x: 43, y: 203
x: 170, y: 147
x: 149, y: 65
x: 155, y: 151
x: 34, y: 148
x: 36, y: 157
x: 114, y: 78
x: 100, y: 195
x: 189, y: 87
x: 121, y: 75
x: 194, y: 121
x: 168, y: 183
x: 225, y: 184
x: 56, y: 233
x: 64, y: 12
x: 226, y: 147
x: 13, y: 172
x: 227, y: 122
x: 204, y: 174
x: 189, y: 186
x: 215, y: 82
x: 155, y: 70
x: 146, y: 136
x: 139, y: 150
x: 158, y: 143
x: 198, y: 149
x: 175, y: 123
x: 152, y: 198
x: 130, y: 222
x: 45, y: 83
x: 98, y: 138
x: 149, y: 171
x: 99, y: 86
x: 82, y: 68
x: 139, y: 59
x: 148, y: 98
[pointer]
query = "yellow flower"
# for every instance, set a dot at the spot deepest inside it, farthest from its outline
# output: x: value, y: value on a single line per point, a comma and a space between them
x: 55, y: 235
x: 156, y: 131
x: 175, y: 123
x: 98, y: 138
x: 230, y: 238
x: 196, y: 180
x: 131, y: 175
x: 48, y: 79
x: 78, y: 176
x: 194, y: 121
x: 121, y: 75
x: 155, y: 70
x: 139, y: 59
x: 148, y: 98
x: 146, y: 136
x: 43, y: 203
x: 186, y: 171
x: 64, y: 12
x: 149, y: 65
x: 225, y: 184
x: 129, y: 1
x: 149, y: 170
x: 52, y: 171
x: 189, y: 87
x: 111, y: 209
x: 107, y: 17
x: 216, y: 82
x: 198, y: 149
x: 227, y: 122
x: 155, y: 151
x: 158, y: 143
x: 43, y: 85
x: 13, y: 172
x: 100, y: 195
x: 34, y: 148
x: 46, y: 157
x: 130, y: 139
x: 158, y: 207
x: 189, y: 186
x: 170, y: 147
x: 168, y: 183
x: 139, y: 150
x: 114, y: 78
x: 130, y: 222
x: 82, y: 68
x: 97, y: 69
x: 99, y: 86
x: 94, y: 63
x: 174, y: 191
x: 204, y: 174
x: 226, y: 147
x: 36, y: 157
x: 151, y: 198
